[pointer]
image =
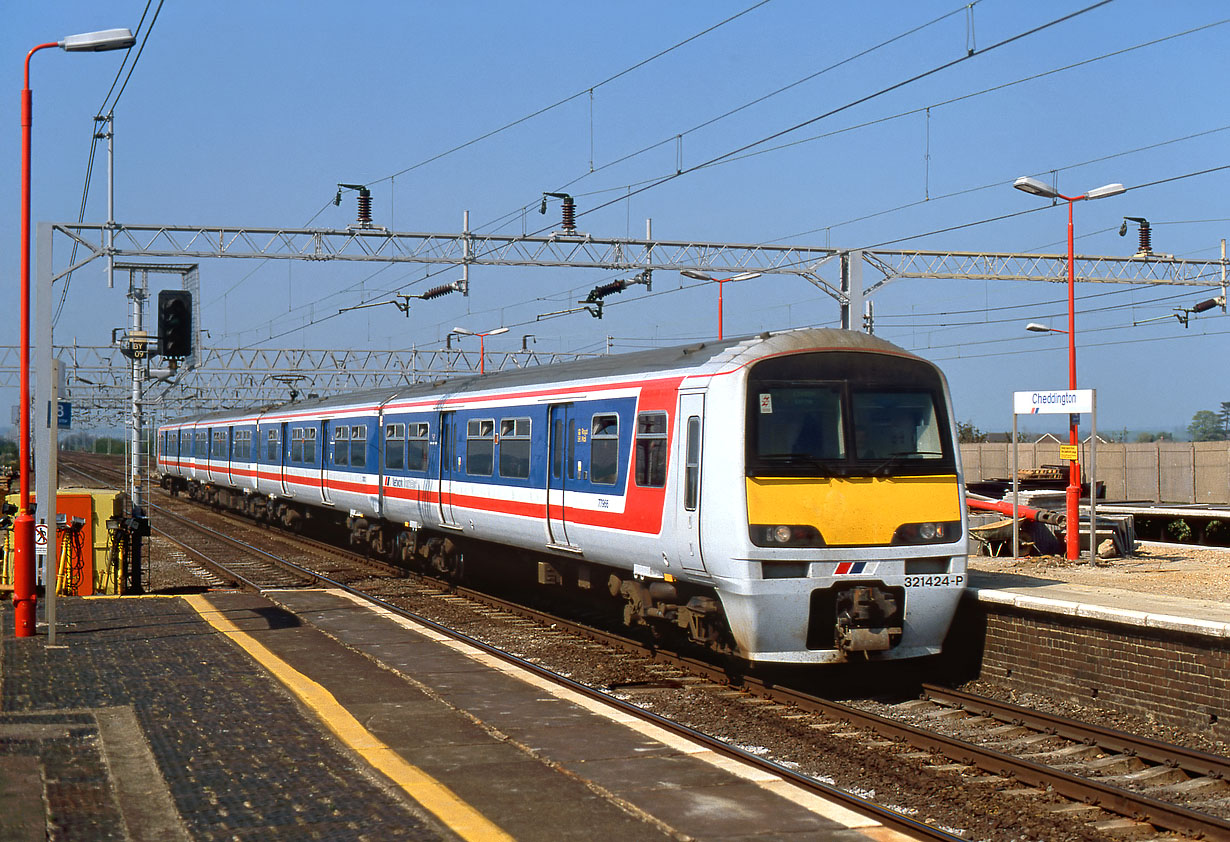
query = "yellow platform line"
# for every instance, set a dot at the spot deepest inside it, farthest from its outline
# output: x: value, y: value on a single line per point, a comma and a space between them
x: 434, y: 796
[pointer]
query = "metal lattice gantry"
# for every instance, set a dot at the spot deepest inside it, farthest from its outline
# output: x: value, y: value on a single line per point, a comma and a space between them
x: 98, y: 378
x: 228, y: 377
x: 566, y: 250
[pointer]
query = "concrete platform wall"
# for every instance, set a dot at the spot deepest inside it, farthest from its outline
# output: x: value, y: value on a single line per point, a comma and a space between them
x: 1161, y: 472
x: 1176, y: 679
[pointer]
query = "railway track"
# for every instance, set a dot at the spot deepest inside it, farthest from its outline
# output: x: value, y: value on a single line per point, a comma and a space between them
x: 1116, y: 782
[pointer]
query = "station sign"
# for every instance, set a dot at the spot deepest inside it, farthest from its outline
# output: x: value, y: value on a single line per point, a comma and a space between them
x: 1069, y: 452
x: 1052, y: 403
x: 64, y: 415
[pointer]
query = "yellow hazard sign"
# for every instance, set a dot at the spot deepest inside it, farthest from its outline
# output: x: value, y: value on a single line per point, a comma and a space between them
x: 1069, y: 452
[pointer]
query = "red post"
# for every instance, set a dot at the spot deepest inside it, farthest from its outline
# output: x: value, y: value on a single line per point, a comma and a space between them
x: 24, y: 599
x: 1074, y: 480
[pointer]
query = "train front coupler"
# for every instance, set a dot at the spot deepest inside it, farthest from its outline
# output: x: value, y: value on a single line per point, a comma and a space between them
x: 868, y: 619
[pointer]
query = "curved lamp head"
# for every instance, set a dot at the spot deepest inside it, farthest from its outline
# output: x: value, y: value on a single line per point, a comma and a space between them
x: 694, y: 273
x: 1038, y: 188
x: 1105, y: 190
x: 97, y: 42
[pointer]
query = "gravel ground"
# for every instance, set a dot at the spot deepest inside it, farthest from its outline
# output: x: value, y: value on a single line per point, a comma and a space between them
x: 1173, y: 569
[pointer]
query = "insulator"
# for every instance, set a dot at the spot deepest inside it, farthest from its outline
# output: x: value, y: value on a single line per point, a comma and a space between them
x: 1146, y: 247
x: 436, y: 292
x: 570, y: 215
x: 603, y: 291
x: 1206, y: 305
x: 365, y: 207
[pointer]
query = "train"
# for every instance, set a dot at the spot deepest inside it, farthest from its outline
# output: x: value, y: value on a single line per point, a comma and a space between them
x: 791, y: 497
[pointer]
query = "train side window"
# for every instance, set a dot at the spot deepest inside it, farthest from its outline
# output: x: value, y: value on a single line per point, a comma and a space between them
x: 691, y: 482
x: 273, y: 447
x: 394, y: 447
x: 296, y: 444
x: 557, y: 450
x: 572, y: 449
x: 358, y: 446
x: 202, y: 444
x: 341, y: 445
x: 480, y: 446
x: 309, y: 445
x: 243, y: 445
x: 604, y: 449
x: 219, y: 450
x: 416, y: 446
x: 515, y: 448
x: 651, y: 449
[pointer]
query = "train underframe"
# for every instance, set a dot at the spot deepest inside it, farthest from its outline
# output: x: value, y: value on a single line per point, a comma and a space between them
x: 677, y: 612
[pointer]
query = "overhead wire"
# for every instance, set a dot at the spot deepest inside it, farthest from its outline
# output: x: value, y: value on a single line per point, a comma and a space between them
x: 972, y: 53
x: 581, y: 93
x: 94, y: 138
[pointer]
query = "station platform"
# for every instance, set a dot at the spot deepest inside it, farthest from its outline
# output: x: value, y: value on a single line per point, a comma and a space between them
x: 1049, y: 593
x: 306, y: 715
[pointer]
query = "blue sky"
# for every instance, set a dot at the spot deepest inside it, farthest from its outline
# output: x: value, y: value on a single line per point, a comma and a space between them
x: 252, y: 113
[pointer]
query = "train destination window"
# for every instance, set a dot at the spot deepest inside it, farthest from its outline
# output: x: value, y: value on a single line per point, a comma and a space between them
x: 604, y: 449
x: 895, y: 425
x: 691, y: 485
x: 416, y: 446
x: 358, y: 447
x: 394, y: 446
x: 341, y: 446
x: 515, y: 448
x: 651, y: 449
x: 273, y: 446
x: 799, y: 422
x: 480, y: 446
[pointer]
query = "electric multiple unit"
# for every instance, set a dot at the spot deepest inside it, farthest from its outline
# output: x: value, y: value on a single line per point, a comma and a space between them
x: 790, y: 497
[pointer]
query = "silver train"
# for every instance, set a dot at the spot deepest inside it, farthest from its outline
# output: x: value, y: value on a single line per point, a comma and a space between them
x: 791, y: 497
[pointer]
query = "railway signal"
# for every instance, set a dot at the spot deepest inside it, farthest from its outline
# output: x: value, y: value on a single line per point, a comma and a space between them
x: 175, y: 323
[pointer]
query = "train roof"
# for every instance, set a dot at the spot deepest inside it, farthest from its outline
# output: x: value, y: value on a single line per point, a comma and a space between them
x: 713, y: 355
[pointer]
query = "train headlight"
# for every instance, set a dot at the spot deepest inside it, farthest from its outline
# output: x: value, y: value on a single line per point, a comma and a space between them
x: 929, y: 532
x: 785, y: 535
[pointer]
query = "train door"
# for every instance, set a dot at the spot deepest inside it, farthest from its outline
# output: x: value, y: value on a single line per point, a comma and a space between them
x: 329, y: 451
x: 688, y: 514
x: 450, y: 465
x: 561, y: 465
x: 230, y: 455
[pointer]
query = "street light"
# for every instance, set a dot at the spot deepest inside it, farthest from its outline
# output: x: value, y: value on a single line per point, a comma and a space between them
x: 701, y: 276
x: 482, y: 343
x: 1038, y: 188
x: 1037, y: 328
x: 23, y: 524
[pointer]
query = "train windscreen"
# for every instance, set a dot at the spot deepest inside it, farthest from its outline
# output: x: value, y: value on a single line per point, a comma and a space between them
x: 846, y: 414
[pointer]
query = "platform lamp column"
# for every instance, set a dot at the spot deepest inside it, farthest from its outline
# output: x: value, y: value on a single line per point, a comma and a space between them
x: 1038, y: 188
x: 23, y: 524
x: 721, y: 282
x: 482, y: 343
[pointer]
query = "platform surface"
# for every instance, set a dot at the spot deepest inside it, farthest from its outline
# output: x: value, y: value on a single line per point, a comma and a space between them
x: 304, y: 715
